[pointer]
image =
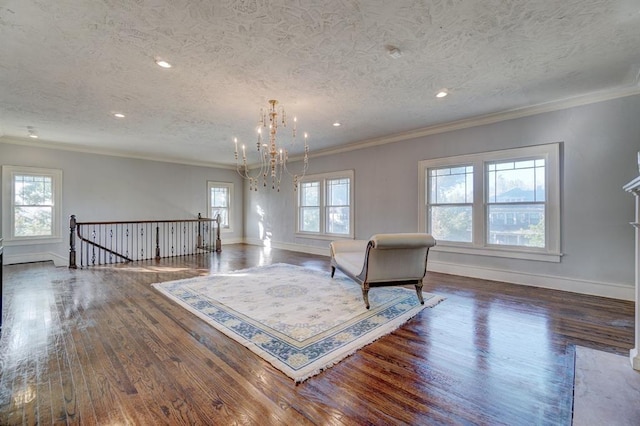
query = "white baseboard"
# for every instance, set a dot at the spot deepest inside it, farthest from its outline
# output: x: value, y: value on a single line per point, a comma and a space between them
x: 237, y: 240
x: 321, y: 251
x: 594, y: 288
x: 11, y: 259
x: 634, y: 357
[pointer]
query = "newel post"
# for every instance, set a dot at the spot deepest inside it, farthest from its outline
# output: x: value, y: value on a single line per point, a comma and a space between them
x: 218, y: 240
x: 72, y: 242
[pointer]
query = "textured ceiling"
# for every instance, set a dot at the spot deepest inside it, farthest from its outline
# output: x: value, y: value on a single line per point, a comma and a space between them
x: 67, y: 65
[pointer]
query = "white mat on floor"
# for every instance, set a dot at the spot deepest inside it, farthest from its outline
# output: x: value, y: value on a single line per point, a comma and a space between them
x: 606, y: 390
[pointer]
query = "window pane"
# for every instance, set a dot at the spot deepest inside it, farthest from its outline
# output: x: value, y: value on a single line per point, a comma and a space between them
x: 451, y: 223
x: 338, y: 192
x: 540, y: 183
x: 517, y: 225
x: 451, y: 185
x: 310, y: 219
x: 33, y: 221
x: 310, y: 194
x: 33, y: 190
x: 338, y: 220
x: 516, y: 181
x: 219, y: 197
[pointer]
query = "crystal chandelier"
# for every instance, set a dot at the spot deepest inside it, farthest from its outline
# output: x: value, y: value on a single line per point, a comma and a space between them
x: 273, y: 157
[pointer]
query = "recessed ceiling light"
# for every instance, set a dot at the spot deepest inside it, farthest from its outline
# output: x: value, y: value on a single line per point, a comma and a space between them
x: 394, y: 52
x: 337, y: 124
x: 32, y: 132
x: 442, y: 93
x: 163, y: 64
x: 118, y: 115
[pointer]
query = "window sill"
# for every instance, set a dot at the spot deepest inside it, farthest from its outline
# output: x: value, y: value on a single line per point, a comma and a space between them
x: 499, y: 252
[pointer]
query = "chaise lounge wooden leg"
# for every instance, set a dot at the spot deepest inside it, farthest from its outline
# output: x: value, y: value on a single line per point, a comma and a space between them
x: 365, y: 294
x: 333, y: 271
x: 419, y: 292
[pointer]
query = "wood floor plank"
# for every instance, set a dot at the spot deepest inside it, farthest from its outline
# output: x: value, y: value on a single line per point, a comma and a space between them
x: 122, y: 406
x: 101, y: 346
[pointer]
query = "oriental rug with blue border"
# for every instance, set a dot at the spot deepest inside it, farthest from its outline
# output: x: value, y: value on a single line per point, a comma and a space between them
x: 300, y: 320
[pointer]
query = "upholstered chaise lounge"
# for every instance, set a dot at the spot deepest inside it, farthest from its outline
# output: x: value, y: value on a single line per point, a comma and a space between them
x: 383, y: 260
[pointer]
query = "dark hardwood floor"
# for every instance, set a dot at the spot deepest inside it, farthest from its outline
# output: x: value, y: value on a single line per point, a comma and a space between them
x: 100, y: 346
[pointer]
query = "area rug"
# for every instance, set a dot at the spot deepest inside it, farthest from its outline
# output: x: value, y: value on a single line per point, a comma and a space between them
x: 300, y: 320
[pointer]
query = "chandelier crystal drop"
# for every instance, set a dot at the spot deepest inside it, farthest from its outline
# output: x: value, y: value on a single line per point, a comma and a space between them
x: 273, y: 155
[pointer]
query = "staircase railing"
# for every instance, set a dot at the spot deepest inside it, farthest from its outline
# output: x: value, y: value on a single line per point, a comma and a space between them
x: 130, y: 241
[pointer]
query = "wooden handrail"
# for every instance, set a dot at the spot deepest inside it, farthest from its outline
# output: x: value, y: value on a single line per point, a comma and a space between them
x: 124, y: 222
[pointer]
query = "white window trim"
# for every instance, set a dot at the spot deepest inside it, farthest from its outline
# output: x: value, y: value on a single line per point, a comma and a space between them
x: 323, y: 177
x: 229, y: 186
x: 479, y: 245
x: 8, y: 173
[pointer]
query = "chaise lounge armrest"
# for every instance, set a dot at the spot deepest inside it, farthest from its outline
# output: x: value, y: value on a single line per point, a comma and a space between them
x: 349, y: 255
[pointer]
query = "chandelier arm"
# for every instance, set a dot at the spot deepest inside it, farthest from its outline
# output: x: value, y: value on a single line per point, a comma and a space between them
x: 302, y: 173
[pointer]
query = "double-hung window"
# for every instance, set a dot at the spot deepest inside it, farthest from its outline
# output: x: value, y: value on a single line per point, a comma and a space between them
x: 32, y: 204
x: 501, y: 203
x: 325, y: 205
x: 451, y: 202
x: 220, y: 198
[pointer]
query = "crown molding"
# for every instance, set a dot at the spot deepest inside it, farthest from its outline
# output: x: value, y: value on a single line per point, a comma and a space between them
x: 482, y: 120
x: 112, y: 153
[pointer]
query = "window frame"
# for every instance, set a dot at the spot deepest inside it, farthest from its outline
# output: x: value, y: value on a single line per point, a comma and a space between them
x: 322, y: 179
x: 229, y: 186
x: 479, y: 244
x: 8, y: 198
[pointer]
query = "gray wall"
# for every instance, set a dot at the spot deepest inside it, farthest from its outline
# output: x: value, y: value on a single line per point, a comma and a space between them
x: 598, y: 156
x: 102, y: 188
